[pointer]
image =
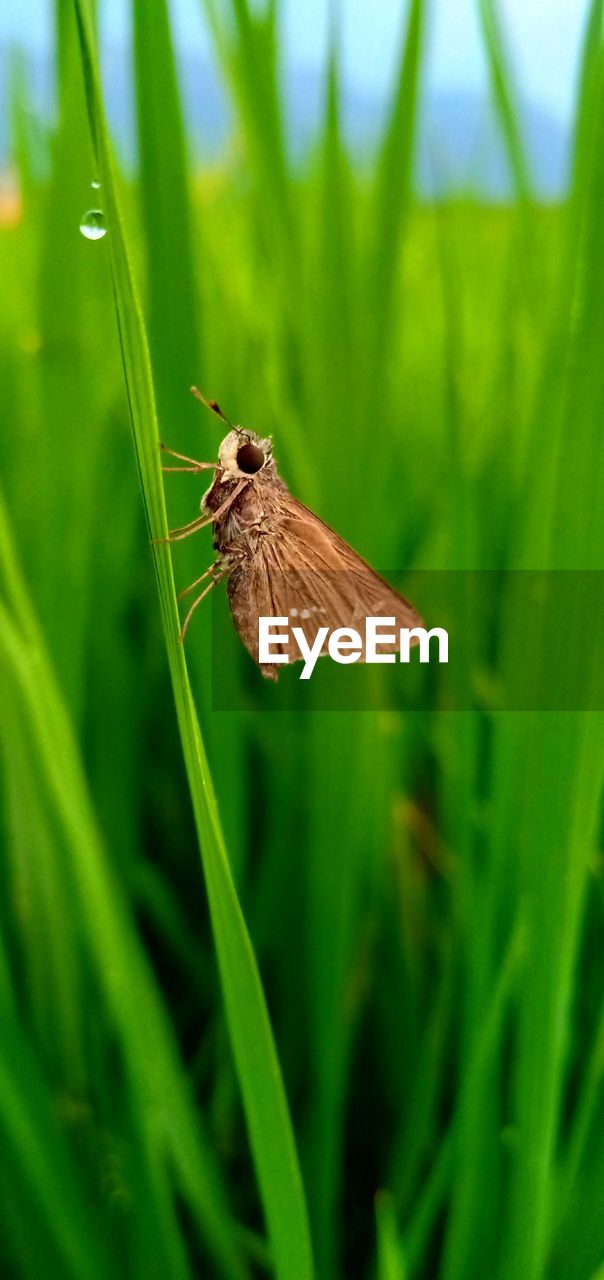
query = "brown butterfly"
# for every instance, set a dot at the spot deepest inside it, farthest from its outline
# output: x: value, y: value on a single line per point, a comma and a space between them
x: 279, y: 559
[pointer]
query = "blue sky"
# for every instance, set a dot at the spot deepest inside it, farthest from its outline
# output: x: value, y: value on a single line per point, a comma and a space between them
x: 543, y: 37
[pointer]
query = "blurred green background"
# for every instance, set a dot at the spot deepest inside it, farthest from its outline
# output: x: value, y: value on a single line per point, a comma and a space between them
x: 424, y: 893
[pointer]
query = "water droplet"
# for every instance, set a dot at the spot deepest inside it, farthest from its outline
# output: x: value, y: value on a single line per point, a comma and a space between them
x: 92, y: 224
x: 95, y: 184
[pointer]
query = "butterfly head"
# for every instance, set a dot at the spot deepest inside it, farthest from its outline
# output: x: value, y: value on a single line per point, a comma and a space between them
x: 243, y: 453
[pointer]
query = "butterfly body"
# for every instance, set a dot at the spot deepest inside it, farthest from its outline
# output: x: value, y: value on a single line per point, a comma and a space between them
x: 279, y: 559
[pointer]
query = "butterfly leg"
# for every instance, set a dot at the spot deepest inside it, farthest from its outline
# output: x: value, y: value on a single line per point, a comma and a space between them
x: 193, y: 471
x: 204, y: 520
x: 198, y: 601
x: 175, y: 535
x: 208, y: 573
x: 195, y: 465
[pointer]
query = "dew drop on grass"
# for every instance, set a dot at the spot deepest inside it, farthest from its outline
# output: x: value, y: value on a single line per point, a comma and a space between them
x: 95, y: 185
x: 92, y: 224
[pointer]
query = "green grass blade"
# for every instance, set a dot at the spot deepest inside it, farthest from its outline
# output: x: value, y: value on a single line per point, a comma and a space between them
x: 588, y: 89
x: 247, y: 45
x: 391, y: 1262
x: 483, y: 1056
x: 40, y: 1184
x: 173, y: 243
x: 392, y: 198
x: 166, y: 219
x: 262, y: 1089
x: 556, y: 802
x: 501, y: 81
x: 165, y: 1119
x: 330, y: 363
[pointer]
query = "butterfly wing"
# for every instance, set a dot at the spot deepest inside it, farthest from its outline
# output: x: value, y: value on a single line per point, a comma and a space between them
x: 304, y: 571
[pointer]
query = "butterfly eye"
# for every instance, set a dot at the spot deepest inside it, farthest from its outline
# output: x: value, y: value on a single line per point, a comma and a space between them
x: 250, y: 458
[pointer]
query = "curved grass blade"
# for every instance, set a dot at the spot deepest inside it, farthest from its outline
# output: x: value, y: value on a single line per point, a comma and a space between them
x: 393, y: 184
x: 166, y: 214
x: 45, y: 1216
x: 264, y: 1100
x: 391, y: 1261
x: 503, y: 100
x: 166, y: 1123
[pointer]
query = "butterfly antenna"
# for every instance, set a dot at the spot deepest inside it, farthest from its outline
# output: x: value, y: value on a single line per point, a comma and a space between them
x: 214, y: 406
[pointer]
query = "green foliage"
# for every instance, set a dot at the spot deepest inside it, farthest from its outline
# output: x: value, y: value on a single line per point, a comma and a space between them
x: 421, y: 893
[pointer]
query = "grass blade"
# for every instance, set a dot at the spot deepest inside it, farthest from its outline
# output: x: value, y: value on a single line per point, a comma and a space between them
x: 165, y: 1120
x: 391, y: 1263
x: 254, y: 1051
x: 392, y: 195
x: 53, y: 1231
x: 504, y: 103
x: 165, y: 216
